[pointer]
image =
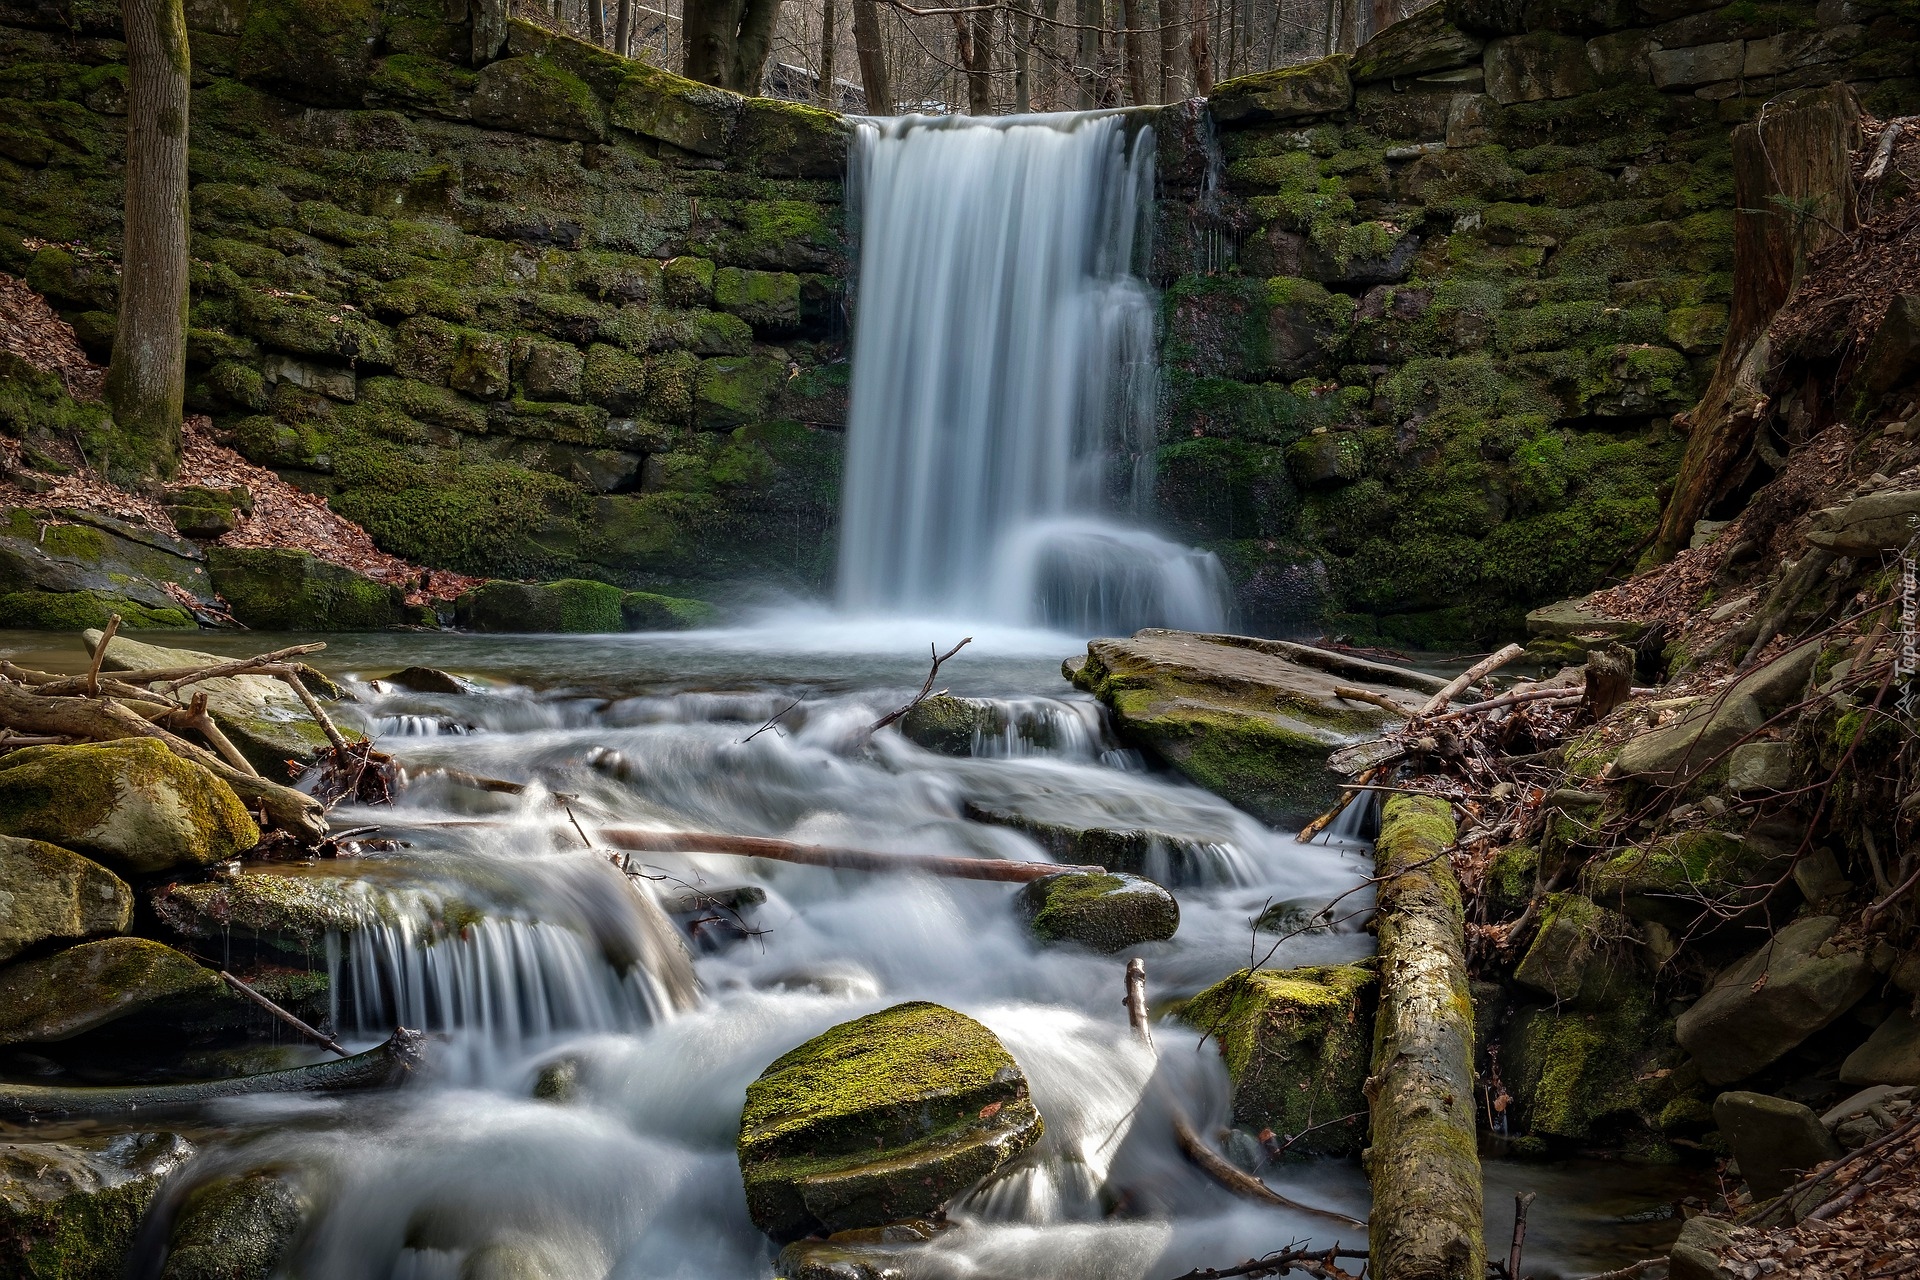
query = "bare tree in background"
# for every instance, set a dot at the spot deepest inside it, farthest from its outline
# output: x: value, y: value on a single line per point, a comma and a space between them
x: 829, y: 45
x: 1197, y: 50
x: 623, y: 29
x: 147, y: 379
x: 873, y: 57
x: 727, y: 41
x: 1128, y: 14
x: 973, y: 35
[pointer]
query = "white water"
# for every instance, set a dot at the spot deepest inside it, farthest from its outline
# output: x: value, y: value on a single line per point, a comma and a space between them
x: 1005, y: 388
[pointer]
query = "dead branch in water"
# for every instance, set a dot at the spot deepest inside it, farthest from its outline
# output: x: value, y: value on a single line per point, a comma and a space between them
x: 837, y: 858
x: 1315, y: 1262
x: 926, y: 690
x: 320, y: 1038
x: 1137, y: 1000
x: 1242, y: 1184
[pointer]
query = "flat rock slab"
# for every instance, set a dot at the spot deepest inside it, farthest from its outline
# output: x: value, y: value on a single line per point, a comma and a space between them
x: 1774, y: 1139
x: 1248, y: 719
x: 263, y: 717
x: 881, y: 1119
x: 77, y: 990
x: 1743, y: 1024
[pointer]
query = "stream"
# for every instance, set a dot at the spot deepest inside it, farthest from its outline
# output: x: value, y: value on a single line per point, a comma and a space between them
x: 521, y: 949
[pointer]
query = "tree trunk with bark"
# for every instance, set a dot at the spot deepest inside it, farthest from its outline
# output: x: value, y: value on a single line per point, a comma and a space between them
x: 1086, y: 58
x: 1167, y: 12
x: 597, y: 22
x: 829, y: 24
x: 147, y: 379
x: 1133, y: 39
x: 873, y: 57
x: 1793, y: 191
x: 973, y: 36
x: 1020, y: 34
x: 1197, y: 51
x: 1425, y: 1166
x: 727, y: 42
x: 623, y: 29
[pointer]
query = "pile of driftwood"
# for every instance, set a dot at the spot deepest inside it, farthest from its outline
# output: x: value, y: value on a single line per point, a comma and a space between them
x: 39, y: 708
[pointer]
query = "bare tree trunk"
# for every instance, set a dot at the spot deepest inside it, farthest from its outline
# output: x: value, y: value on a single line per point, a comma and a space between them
x: 597, y: 22
x: 1197, y: 50
x: 1049, y: 45
x: 973, y: 36
x: 873, y: 57
x: 147, y: 380
x: 1792, y: 192
x: 829, y: 31
x: 623, y: 29
x: 727, y: 41
x: 1168, y: 14
x: 1133, y: 41
x: 1087, y: 53
x: 1020, y: 32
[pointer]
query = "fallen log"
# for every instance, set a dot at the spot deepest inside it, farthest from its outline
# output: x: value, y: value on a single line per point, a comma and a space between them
x: 1425, y: 1169
x: 1216, y: 1166
x: 377, y: 1068
x: 1471, y: 676
x: 636, y: 840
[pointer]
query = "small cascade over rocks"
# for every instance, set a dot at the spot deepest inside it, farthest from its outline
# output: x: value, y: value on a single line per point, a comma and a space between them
x: 1005, y: 383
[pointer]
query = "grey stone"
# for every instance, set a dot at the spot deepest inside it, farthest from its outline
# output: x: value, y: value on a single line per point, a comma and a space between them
x: 1792, y: 50
x: 1291, y: 93
x: 1758, y: 768
x: 1862, y: 1102
x: 1696, y: 1254
x: 80, y: 989
x: 1775, y: 1140
x: 1622, y: 57
x: 693, y: 117
x: 332, y: 381
x: 1534, y: 67
x: 1894, y: 354
x: 1742, y: 1024
x: 1890, y: 1056
x: 1869, y: 525
x: 47, y: 892
x: 70, y: 1210
x: 1572, y: 619
x: 1818, y: 876
x: 534, y: 95
x: 1682, y: 751
x: 1701, y: 64
x: 1782, y: 682
x: 1574, y: 948
x: 1427, y: 41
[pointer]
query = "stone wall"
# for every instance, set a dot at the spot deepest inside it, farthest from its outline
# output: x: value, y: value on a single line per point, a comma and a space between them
x: 1426, y: 338
x: 553, y: 314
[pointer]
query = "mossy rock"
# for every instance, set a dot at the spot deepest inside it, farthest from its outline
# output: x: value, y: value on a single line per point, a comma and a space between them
x: 86, y: 987
x: 1296, y: 1043
x: 790, y: 140
x: 650, y: 611
x: 262, y: 716
x: 570, y: 605
x: 1101, y: 910
x: 692, y: 116
x: 281, y: 589
x: 537, y: 95
x: 946, y: 724
x: 1674, y: 880
x: 291, y: 910
x: 1602, y: 1071
x: 1581, y: 953
x: 70, y: 1210
x: 880, y: 1119
x: 1320, y: 88
x: 237, y: 1227
x: 1070, y: 836
x: 133, y: 803
x: 315, y: 51
x: 53, y: 893
x: 76, y: 610
x: 63, y: 570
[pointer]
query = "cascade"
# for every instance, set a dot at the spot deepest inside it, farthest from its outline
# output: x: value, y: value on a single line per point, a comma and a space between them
x: 1005, y: 387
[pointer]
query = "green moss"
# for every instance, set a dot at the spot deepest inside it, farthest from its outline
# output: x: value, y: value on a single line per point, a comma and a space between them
x: 78, y: 610
x: 319, y: 51
x: 570, y: 605
x: 287, y: 590
x: 1296, y: 1044
x: 1586, y: 1073
x: 1673, y: 881
x: 650, y: 611
x: 80, y: 1225
x: 1104, y: 911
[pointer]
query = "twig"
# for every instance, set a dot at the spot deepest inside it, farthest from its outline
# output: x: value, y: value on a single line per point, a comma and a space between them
x: 1277, y: 1264
x: 274, y: 1009
x: 1277, y: 1149
x: 772, y: 720
x: 1242, y: 1184
x: 925, y: 689
x: 1522, y: 1201
x: 100, y: 655
x: 1632, y: 1271
x: 334, y: 735
x: 1367, y: 695
x: 1470, y: 677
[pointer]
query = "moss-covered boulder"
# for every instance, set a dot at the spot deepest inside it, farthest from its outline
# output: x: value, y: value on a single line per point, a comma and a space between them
x: 1581, y: 1071
x: 570, y: 605
x: 1102, y: 910
x: 884, y: 1118
x: 47, y: 893
x: 82, y: 988
x: 237, y: 1227
x: 691, y: 116
x: 947, y: 724
x: 1575, y: 948
x: 69, y: 1210
x: 291, y: 909
x: 651, y: 611
x: 61, y: 570
x: 1674, y: 880
x: 1246, y: 719
x: 1318, y: 88
x: 280, y: 589
x: 133, y: 803
x: 1767, y: 1004
x: 1296, y: 1043
x: 263, y: 717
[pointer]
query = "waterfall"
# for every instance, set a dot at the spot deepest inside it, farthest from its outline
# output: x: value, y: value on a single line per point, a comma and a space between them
x: 1004, y: 399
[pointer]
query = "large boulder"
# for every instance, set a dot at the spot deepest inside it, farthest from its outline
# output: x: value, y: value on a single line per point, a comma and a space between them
x: 288, y: 908
x: 1101, y: 910
x: 1891, y: 1055
x: 63, y: 569
x: 1701, y: 738
x: 1696, y: 1254
x: 881, y: 1119
x: 47, y: 892
x: 1427, y: 41
x: 69, y: 1210
x: 1870, y: 525
x: 1319, y: 88
x: 82, y: 988
x: 1743, y: 1023
x: 1296, y: 1043
x: 237, y: 1227
x: 278, y: 589
x: 262, y: 716
x: 133, y: 803
x: 1251, y: 720
x: 1570, y: 949
x: 570, y: 605
x: 1774, y: 1139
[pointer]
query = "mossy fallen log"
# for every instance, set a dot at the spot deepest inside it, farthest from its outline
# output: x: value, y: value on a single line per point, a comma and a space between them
x: 1424, y: 1163
x: 377, y: 1068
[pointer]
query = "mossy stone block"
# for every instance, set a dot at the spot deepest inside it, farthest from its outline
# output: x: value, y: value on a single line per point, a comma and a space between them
x: 569, y: 605
x: 133, y: 803
x: 879, y: 1119
x: 54, y: 893
x: 790, y: 140
x: 538, y: 96
x: 735, y: 390
x: 691, y: 116
x: 281, y: 589
x: 319, y: 52
x: 1296, y: 1043
x: 650, y: 611
x: 1320, y: 88
x: 768, y: 300
x: 290, y: 910
x: 86, y: 987
x: 1102, y: 910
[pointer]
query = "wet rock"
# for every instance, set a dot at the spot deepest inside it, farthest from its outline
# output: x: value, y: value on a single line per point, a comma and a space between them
x: 427, y: 680
x: 569, y: 605
x: 1775, y: 1140
x: 1317, y: 88
x: 1427, y: 41
x: 1668, y: 881
x: 1323, y: 460
x: 558, y: 1081
x: 880, y: 1119
x: 1591, y: 1064
x: 1571, y: 948
x: 264, y: 718
x: 1249, y: 720
x: 875, y: 1253
x: 947, y: 724
x: 47, y: 892
x: 1743, y: 1024
x: 1568, y: 629
x: 1296, y: 1043
x: 291, y: 909
x: 1891, y: 1055
x: 1696, y: 1254
x: 1167, y: 857
x: 277, y: 589
x: 132, y: 803
x: 1101, y: 910
x: 238, y: 1227
x: 74, y: 991
x: 1869, y: 525
x: 69, y: 1210
x: 650, y: 611
x: 62, y: 569
x: 1537, y: 66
